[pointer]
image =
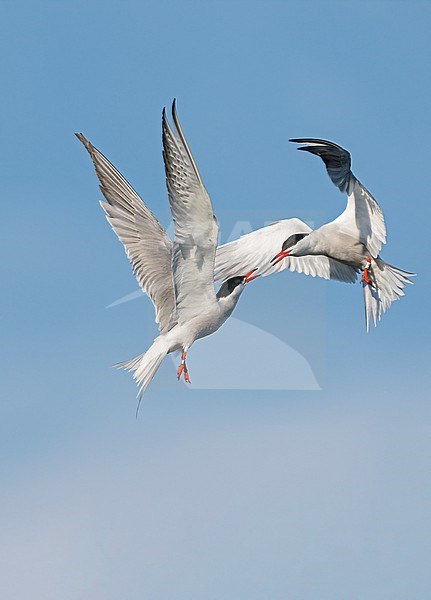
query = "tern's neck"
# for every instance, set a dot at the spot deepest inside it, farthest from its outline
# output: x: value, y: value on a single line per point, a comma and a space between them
x: 228, y: 303
x: 304, y: 247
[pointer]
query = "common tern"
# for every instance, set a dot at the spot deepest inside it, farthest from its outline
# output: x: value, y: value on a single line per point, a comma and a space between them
x: 178, y: 276
x: 338, y: 250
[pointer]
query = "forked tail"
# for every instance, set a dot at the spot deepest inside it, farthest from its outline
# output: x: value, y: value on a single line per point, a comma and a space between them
x: 145, y: 365
x: 389, y: 285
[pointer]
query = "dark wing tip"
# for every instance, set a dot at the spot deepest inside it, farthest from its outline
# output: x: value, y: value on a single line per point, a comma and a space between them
x: 165, y: 125
x: 319, y: 142
x: 299, y: 140
x: 175, y: 114
x: 309, y: 141
x: 176, y: 119
x: 88, y: 145
x: 337, y: 160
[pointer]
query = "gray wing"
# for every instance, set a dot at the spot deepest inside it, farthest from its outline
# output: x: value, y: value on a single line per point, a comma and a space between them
x: 363, y: 217
x: 145, y: 242
x: 258, y: 248
x: 196, y: 228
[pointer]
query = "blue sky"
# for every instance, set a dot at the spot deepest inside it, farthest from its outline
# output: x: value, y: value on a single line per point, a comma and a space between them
x: 219, y: 494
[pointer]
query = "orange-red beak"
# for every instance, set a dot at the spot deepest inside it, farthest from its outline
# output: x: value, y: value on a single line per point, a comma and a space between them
x: 278, y: 257
x: 249, y: 276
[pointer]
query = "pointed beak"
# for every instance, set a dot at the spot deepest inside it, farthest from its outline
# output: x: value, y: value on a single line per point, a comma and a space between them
x: 249, y: 276
x: 280, y: 256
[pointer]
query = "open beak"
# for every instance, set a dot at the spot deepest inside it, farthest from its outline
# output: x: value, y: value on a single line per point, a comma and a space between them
x: 249, y: 276
x: 280, y: 256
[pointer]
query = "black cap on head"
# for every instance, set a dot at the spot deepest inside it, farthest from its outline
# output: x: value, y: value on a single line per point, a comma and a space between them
x: 228, y: 286
x: 292, y: 240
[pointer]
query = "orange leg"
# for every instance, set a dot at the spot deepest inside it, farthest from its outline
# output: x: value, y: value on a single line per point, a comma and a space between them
x: 365, y: 277
x: 182, y: 369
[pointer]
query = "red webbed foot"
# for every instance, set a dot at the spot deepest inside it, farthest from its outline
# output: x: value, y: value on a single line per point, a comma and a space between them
x: 182, y: 369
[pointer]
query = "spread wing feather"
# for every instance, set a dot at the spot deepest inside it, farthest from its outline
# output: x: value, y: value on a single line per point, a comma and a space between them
x: 196, y: 228
x: 256, y: 249
x: 145, y: 242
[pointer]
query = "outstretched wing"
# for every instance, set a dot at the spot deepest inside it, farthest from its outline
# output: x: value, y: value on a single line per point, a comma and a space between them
x: 363, y: 217
x: 145, y: 242
x: 258, y: 248
x: 196, y: 228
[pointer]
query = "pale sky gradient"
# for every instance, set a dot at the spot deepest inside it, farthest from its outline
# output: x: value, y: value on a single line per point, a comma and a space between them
x: 211, y: 494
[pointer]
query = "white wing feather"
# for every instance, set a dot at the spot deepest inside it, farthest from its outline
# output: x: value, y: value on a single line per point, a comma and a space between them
x: 363, y: 218
x: 196, y: 228
x: 145, y: 242
x: 256, y: 249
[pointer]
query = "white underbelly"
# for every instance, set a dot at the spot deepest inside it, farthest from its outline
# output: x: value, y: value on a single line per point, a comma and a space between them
x: 345, y: 249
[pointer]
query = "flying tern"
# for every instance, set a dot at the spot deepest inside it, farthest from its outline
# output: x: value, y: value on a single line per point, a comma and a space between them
x: 338, y: 250
x: 178, y: 276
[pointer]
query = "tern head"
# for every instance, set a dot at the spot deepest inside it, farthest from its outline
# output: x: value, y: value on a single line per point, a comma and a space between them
x: 234, y: 286
x: 289, y: 247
